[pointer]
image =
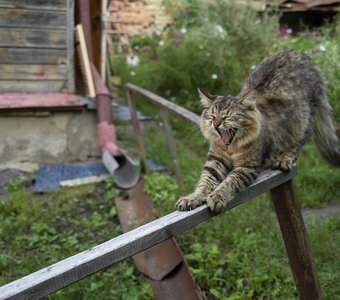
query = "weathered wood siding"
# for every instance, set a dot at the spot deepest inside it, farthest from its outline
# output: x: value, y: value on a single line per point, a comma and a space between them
x: 36, y: 46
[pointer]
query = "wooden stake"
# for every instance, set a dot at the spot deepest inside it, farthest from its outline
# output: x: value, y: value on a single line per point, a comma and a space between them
x: 296, y: 241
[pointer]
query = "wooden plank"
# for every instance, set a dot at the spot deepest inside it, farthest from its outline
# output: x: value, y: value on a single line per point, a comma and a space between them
x: 14, y: 37
x: 33, y: 86
x: 23, y: 18
x: 178, y: 110
x: 38, y: 100
x: 72, y: 269
x: 34, y: 4
x: 32, y: 56
x: 32, y: 72
x: 296, y: 241
x: 84, y: 61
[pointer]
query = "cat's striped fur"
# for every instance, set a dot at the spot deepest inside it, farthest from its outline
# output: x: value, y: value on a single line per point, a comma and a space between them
x: 281, y: 104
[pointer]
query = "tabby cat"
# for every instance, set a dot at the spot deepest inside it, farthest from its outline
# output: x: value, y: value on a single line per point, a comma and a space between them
x: 280, y: 105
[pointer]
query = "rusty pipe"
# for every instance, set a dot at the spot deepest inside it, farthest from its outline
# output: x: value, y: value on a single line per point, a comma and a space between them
x: 115, y: 161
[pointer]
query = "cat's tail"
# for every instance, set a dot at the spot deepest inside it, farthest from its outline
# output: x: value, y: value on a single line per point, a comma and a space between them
x: 323, y: 129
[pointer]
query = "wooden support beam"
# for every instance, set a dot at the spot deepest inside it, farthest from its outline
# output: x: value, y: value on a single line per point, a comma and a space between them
x: 72, y: 269
x: 137, y: 128
x: 172, y: 149
x: 296, y: 241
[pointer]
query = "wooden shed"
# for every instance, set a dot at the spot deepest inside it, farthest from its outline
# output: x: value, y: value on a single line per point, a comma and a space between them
x: 42, y: 117
x: 36, y: 46
x: 299, y: 14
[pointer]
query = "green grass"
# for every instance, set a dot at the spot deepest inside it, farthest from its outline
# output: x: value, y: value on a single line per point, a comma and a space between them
x: 237, y: 255
x: 39, y: 230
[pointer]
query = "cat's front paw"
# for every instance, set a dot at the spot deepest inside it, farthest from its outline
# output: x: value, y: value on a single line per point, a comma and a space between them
x: 216, y: 202
x: 190, y: 202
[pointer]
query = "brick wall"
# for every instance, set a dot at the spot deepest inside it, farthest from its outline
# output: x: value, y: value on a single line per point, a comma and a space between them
x: 140, y: 16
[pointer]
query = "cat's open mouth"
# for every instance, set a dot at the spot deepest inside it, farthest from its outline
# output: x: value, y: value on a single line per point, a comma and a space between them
x: 227, y: 135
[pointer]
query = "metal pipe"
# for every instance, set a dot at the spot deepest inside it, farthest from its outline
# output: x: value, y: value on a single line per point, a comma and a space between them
x: 117, y: 164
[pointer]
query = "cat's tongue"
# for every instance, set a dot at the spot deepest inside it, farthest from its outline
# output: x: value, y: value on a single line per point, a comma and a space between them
x: 226, y: 137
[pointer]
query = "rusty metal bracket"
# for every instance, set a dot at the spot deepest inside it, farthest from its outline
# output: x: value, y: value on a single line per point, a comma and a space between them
x: 164, y: 265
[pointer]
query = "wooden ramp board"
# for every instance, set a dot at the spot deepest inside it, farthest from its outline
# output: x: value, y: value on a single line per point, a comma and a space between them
x: 74, y: 268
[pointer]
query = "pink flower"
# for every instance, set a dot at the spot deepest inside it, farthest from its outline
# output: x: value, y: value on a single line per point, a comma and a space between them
x: 315, y: 51
x: 179, y: 36
x: 284, y: 31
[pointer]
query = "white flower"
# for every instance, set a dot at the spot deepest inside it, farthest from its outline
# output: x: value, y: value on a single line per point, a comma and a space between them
x: 322, y: 47
x: 214, y: 76
x: 201, y: 47
x: 161, y: 43
x: 132, y: 60
x: 132, y: 73
x: 137, y: 47
x: 183, y: 30
x: 253, y: 67
x: 207, y: 54
x: 219, y: 28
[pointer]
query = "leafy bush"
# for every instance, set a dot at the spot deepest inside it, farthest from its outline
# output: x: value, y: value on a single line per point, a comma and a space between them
x: 214, y: 46
x: 203, y: 48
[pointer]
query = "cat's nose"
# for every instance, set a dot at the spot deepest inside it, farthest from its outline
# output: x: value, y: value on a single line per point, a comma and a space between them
x: 217, y: 128
x: 217, y: 125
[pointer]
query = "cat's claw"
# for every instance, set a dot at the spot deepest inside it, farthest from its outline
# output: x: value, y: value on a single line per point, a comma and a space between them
x: 189, y: 202
x: 216, y: 203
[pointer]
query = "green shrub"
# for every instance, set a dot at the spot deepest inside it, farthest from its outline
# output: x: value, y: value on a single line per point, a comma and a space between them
x: 214, y: 46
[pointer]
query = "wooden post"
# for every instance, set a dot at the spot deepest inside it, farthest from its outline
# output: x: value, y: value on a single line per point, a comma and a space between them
x: 296, y: 241
x: 172, y: 148
x: 136, y: 126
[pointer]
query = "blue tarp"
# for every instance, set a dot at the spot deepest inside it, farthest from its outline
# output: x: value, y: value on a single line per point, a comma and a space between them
x: 49, y: 176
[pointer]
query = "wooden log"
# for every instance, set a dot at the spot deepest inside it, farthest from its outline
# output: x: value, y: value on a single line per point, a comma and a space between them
x: 29, y: 56
x: 35, y: 4
x: 72, y: 269
x: 32, y: 72
x: 14, y: 37
x: 296, y: 241
x: 23, y: 18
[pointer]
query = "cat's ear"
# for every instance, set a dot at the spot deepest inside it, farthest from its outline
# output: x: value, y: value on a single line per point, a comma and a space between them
x: 206, y: 99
